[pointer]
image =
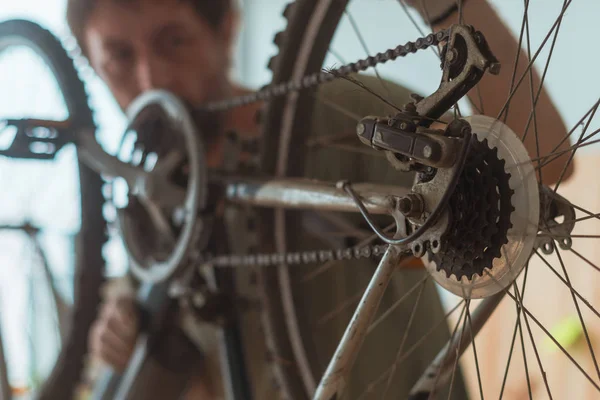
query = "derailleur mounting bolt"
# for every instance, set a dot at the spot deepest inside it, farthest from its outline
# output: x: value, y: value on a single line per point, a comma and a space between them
x: 411, y: 205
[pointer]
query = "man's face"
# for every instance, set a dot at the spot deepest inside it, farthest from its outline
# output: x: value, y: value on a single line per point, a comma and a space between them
x: 139, y: 45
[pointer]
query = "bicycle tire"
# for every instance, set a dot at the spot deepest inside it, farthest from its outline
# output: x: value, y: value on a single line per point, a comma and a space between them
x: 291, y: 379
x: 302, y: 48
x: 89, y: 265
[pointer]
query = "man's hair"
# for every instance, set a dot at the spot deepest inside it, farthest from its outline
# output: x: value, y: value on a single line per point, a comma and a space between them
x: 79, y: 11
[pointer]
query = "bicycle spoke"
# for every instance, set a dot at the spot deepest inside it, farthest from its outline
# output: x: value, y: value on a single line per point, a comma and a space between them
x: 361, y: 39
x: 427, y: 15
x: 543, y: 77
x: 438, y: 374
x: 557, y: 155
x: 461, y: 19
x: 404, y: 337
x: 562, y: 173
x: 468, y: 303
x: 480, y: 109
x: 569, y: 236
x: 516, y: 63
x: 514, y: 337
x: 524, y: 351
x: 568, y: 284
x: 416, y: 25
x: 591, y: 110
x: 533, y: 101
x: 522, y: 307
x: 396, y: 304
x: 585, y: 330
x: 411, y: 350
x: 338, y: 108
x: 337, y: 55
x: 474, y: 353
x: 537, y: 53
x: 371, y: 91
x: 355, y: 298
x: 311, y: 275
x: 541, y: 326
x: 584, y: 259
x: 430, y: 332
x: 527, y: 313
x: 596, y: 216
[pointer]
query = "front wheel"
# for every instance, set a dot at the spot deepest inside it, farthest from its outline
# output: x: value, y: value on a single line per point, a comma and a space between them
x: 45, y: 186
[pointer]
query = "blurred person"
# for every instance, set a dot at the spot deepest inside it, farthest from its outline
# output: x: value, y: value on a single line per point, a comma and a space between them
x: 185, y: 46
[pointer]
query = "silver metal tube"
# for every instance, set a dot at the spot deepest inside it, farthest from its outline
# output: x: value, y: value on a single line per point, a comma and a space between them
x: 440, y: 369
x: 312, y: 194
x: 334, y: 380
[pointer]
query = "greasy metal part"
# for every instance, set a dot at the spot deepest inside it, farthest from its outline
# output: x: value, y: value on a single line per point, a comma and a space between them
x: 439, y: 371
x: 524, y: 219
x: 293, y: 258
x: 420, y: 144
x: 553, y: 206
x: 147, y: 267
x: 311, y: 194
x: 411, y: 205
x: 432, y: 239
x: 437, y: 210
x: 480, y: 210
x: 334, y: 379
x: 465, y: 59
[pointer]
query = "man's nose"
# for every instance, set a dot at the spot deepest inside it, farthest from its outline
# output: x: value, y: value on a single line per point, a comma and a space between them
x: 154, y: 74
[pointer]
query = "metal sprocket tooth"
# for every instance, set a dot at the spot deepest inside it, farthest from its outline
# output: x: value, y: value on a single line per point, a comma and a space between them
x: 480, y: 211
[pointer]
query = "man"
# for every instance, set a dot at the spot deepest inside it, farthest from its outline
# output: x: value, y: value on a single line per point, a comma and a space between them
x: 184, y: 46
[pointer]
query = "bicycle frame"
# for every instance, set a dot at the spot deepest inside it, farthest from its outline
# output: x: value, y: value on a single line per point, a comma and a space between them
x: 305, y: 194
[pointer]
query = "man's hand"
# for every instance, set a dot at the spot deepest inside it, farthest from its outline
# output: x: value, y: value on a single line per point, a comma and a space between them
x: 113, y: 335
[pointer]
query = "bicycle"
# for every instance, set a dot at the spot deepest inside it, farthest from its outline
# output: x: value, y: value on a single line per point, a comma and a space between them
x: 519, y: 216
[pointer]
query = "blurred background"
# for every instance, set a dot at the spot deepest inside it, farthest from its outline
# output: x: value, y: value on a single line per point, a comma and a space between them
x: 31, y: 336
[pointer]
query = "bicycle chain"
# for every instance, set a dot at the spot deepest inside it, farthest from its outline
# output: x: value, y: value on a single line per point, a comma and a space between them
x: 292, y: 258
x: 317, y: 78
x: 282, y: 89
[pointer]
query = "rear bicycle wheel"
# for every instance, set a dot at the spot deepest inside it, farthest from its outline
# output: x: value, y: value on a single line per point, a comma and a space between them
x: 46, y: 185
x: 297, y: 320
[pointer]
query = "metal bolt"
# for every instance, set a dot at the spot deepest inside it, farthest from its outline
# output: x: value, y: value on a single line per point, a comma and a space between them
x: 427, y: 151
x: 199, y: 300
x: 405, y: 205
x: 410, y: 205
x: 409, y: 108
x: 360, y: 129
x: 342, y: 184
x: 494, y: 68
x: 451, y: 56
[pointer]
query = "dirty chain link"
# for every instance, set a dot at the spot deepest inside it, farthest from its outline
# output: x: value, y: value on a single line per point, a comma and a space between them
x: 281, y: 89
x: 292, y: 258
